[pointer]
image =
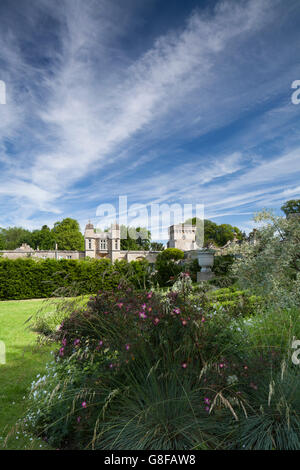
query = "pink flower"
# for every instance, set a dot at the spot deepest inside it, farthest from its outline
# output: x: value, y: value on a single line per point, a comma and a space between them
x: 203, y: 319
x: 61, y: 352
x: 111, y: 366
x: 78, y: 419
x: 184, y: 365
x: 207, y: 401
x: 221, y: 365
x: 184, y: 322
x: 142, y: 315
x: 149, y: 295
x: 127, y: 347
x: 120, y: 305
x: 176, y: 310
x: 156, y: 321
x: 100, y: 343
x: 64, y: 342
x: 76, y: 342
x: 83, y: 404
x: 207, y: 408
x: 144, y: 306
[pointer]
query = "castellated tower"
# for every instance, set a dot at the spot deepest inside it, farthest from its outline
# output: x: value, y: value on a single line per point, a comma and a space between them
x: 100, y: 244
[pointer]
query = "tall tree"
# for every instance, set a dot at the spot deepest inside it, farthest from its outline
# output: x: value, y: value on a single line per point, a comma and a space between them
x: 43, y: 239
x: 67, y: 235
x: 13, y: 237
x: 291, y: 207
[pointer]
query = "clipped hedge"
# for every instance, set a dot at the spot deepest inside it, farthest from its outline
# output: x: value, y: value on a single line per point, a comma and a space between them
x: 235, y: 301
x: 25, y: 278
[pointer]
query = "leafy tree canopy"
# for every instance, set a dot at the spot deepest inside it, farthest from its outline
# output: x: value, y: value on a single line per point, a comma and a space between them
x: 214, y: 233
x: 135, y: 238
x: 13, y: 237
x: 67, y: 235
x: 291, y: 207
x: 156, y: 246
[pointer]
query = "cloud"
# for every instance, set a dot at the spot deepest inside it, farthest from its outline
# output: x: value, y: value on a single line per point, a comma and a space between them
x: 88, y: 113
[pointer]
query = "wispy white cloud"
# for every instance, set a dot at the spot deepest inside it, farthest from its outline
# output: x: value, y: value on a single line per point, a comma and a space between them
x: 95, y: 109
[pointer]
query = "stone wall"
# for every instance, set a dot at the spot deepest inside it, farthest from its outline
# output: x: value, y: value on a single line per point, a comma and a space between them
x: 40, y: 254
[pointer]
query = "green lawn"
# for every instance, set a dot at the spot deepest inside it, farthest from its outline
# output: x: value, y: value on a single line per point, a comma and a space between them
x: 24, y: 360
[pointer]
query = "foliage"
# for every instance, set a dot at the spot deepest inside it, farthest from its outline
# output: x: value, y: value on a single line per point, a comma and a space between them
x: 67, y: 235
x: 291, y: 207
x: 167, y: 266
x: 13, y: 237
x: 155, y: 246
x: 217, y: 234
x: 275, y: 423
x: 146, y: 370
x: 25, y: 278
x: 135, y: 239
x: 43, y: 239
x: 271, y: 267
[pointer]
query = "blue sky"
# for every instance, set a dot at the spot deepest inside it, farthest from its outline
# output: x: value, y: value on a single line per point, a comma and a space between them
x: 161, y: 101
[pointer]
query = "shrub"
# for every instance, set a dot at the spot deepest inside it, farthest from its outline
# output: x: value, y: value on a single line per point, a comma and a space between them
x: 145, y: 370
x: 27, y: 278
x: 167, y: 266
x: 271, y: 267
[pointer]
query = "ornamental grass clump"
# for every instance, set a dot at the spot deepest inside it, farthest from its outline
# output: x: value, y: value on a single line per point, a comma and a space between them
x: 142, y: 370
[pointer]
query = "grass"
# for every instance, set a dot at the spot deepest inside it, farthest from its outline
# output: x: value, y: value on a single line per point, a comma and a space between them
x: 24, y: 360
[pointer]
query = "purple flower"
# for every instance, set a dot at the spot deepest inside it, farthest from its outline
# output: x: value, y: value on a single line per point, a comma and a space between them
x: 176, y: 310
x: 206, y: 401
x: 78, y: 419
x: 64, y: 342
x: 76, y: 342
x: 143, y: 315
x: 127, y: 347
x: 83, y: 404
x: 61, y: 352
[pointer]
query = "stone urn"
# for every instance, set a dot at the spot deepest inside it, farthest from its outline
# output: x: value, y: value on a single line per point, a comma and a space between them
x: 206, y: 262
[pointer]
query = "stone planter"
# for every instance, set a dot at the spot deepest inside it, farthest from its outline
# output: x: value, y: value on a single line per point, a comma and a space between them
x: 206, y: 262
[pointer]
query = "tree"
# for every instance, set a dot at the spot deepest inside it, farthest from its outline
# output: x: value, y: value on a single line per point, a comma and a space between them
x: 214, y: 233
x: 167, y: 265
x: 14, y: 237
x: 291, y: 207
x: 67, y: 235
x: 155, y: 246
x: 135, y: 239
x: 2, y: 240
x: 271, y: 267
x: 43, y: 239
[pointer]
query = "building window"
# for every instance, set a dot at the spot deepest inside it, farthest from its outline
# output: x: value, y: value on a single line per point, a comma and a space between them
x: 90, y: 244
x: 116, y: 244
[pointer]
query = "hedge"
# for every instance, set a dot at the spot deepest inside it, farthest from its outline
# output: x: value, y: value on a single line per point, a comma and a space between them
x: 25, y: 278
